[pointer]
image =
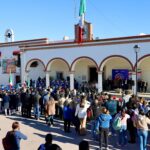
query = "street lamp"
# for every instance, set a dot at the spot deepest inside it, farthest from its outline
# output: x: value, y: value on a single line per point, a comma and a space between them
x: 137, y: 50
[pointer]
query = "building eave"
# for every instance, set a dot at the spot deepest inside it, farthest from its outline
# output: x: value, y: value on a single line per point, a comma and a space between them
x: 100, y: 42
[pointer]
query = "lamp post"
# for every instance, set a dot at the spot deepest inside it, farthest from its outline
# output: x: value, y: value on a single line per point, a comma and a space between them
x: 137, y: 50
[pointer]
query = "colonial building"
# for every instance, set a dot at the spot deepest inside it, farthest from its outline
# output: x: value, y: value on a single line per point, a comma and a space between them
x: 93, y: 60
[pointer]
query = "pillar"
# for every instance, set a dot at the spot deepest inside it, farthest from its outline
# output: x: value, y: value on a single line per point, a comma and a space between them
x: 134, y: 79
x: 22, y: 68
x: 71, y: 80
x: 28, y: 78
x: 47, y: 79
x: 100, y: 82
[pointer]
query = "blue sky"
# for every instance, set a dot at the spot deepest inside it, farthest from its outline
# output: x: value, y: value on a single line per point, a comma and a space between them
x: 54, y: 19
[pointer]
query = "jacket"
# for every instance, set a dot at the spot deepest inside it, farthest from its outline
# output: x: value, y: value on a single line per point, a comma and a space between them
x: 103, y: 121
x: 50, y: 108
x: 141, y: 122
x: 68, y: 113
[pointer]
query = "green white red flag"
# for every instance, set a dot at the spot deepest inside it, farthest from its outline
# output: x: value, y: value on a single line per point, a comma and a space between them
x: 10, y: 79
x: 82, y: 19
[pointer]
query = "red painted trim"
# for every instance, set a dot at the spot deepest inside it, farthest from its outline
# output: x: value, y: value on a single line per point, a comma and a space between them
x: 82, y: 58
x: 116, y: 56
x: 17, y: 52
x: 141, y: 58
x: 57, y: 58
x: 32, y: 60
x: 137, y: 37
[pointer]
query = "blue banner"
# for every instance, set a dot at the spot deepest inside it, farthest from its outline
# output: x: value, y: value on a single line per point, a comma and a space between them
x: 118, y: 74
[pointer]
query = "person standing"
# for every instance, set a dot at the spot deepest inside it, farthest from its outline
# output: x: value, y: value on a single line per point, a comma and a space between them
x: 36, y: 105
x: 61, y: 105
x: 50, y: 111
x: 6, y: 100
x: 102, y: 126
x: 111, y: 106
x: 81, y: 113
x: 122, y: 138
x: 141, y: 123
x: 67, y: 115
x: 15, y: 136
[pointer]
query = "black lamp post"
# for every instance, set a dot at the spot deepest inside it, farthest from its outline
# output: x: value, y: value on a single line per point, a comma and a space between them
x: 136, y: 49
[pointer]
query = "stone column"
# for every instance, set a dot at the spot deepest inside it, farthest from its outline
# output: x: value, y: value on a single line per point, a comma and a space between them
x: 47, y: 79
x: 22, y: 68
x: 71, y: 80
x: 134, y: 79
x: 100, y: 82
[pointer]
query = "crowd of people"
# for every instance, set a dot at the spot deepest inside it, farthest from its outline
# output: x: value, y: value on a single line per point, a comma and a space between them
x: 125, y: 84
x: 107, y: 114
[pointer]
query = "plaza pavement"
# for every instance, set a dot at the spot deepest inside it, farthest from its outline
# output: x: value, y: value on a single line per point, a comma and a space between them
x: 36, y: 131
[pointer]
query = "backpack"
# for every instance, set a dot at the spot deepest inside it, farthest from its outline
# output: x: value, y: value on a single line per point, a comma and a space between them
x: 117, y: 123
x: 9, y: 141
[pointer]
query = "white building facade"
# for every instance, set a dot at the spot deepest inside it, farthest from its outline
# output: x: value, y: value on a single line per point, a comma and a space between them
x: 82, y: 62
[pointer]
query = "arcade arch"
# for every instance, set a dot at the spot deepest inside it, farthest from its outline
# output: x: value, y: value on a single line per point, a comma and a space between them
x: 114, y: 62
x: 120, y: 66
x: 144, y: 69
x: 58, y: 68
x: 35, y: 68
x: 85, y: 70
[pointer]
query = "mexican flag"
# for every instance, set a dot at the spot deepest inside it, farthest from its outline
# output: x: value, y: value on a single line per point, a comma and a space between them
x: 82, y: 19
x: 10, y: 79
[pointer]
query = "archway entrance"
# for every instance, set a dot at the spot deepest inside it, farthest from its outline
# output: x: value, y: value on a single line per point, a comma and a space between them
x: 116, y: 73
x: 85, y: 70
x: 35, y: 72
x: 143, y: 74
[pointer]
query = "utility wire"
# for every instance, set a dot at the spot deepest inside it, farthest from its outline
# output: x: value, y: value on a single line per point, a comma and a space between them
x: 107, y: 18
x: 75, y: 9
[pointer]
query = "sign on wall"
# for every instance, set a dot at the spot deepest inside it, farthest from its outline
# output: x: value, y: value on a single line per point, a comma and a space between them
x: 118, y: 74
x: 8, y: 65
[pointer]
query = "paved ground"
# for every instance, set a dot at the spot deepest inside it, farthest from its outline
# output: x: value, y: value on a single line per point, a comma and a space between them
x: 36, y: 131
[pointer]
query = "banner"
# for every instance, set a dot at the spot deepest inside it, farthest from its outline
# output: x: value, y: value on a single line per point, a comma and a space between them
x: 118, y: 74
x: 8, y: 65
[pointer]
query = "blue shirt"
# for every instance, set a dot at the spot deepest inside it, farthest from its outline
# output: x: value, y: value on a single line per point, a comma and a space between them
x: 103, y: 121
x: 19, y: 136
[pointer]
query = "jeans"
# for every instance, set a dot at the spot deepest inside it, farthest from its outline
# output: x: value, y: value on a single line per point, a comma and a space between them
x: 143, y: 134
x: 104, y: 135
x: 50, y: 120
x: 37, y: 111
x: 123, y: 135
x: 94, y: 134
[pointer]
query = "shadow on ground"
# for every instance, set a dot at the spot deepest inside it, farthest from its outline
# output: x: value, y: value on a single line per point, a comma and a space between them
x: 62, y: 137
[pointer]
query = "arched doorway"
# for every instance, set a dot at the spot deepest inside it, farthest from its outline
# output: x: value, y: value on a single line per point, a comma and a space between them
x: 85, y: 70
x: 58, y: 69
x: 35, y: 68
x: 117, y: 71
x: 144, y: 73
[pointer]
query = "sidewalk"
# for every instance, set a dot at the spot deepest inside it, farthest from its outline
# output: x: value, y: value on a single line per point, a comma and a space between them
x: 36, y: 131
